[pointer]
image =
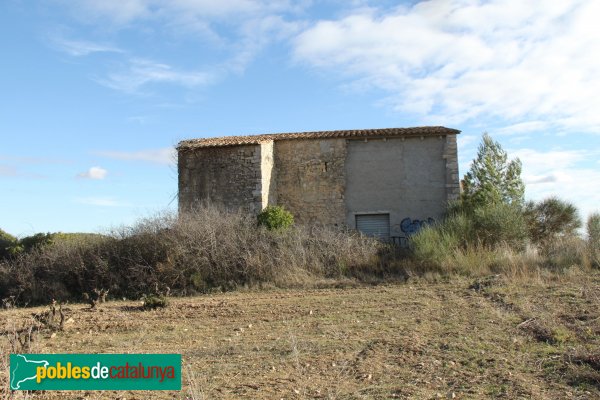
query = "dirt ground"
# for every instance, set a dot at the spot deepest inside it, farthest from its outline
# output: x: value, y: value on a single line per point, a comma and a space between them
x: 460, y: 339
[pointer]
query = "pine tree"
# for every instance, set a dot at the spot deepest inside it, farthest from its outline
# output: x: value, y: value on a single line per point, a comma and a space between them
x: 492, y: 179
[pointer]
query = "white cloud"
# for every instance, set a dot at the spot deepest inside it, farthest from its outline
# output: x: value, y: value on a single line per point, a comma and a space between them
x: 93, y: 173
x: 79, y: 48
x: 257, y: 34
x: 117, y: 11
x: 240, y: 29
x: 535, y: 179
x: 523, y: 127
x: 122, y: 12
x: 548, y: 160
x: 100, y: 201
x: 451, y: 61
x: 466, y: 140
x: 140, y: 72
x: 565, y: 174
x: 165, y: 156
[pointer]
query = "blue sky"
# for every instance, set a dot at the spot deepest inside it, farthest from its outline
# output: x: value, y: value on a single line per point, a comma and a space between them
x: 95, y: 94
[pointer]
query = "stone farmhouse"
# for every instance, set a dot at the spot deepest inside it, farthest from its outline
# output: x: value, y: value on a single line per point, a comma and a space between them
x: 383, y: 182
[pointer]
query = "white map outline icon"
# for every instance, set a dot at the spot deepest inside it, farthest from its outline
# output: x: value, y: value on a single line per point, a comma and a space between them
x: 18, y: 385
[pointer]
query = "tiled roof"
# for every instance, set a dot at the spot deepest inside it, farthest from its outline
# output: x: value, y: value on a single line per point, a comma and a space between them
x: 359, y: 133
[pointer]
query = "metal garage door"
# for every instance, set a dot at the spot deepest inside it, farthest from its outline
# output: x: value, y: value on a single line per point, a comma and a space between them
x: 377, y: 225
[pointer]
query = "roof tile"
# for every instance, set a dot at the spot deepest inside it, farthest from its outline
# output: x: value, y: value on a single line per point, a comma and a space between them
x: 359, y: 133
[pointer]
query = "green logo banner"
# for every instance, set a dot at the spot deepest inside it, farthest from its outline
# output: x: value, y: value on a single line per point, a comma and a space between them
x: 95, y: 371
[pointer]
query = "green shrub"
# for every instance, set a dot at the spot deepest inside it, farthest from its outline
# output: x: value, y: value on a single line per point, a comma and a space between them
x: 499, y: 224
x: 593, y: 239
x: 7, y: 242
x: 470, y: 243
x: 39, y: 239
x: 491, y: 226
x: 154, y: 301
x: 32, y: 242
x: 275, y: 218
x: 433, y: 244
x: 461, y: 227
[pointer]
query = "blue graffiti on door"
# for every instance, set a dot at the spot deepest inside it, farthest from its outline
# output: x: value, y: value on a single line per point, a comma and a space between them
x: 412, y: 226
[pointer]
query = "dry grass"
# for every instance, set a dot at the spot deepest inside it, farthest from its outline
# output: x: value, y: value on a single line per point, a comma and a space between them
x: 474, y: 260
x: 419, y: 340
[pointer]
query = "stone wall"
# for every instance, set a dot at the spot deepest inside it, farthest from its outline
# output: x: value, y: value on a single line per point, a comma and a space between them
x: 310, y: 179
x: 402, y: 177
x: 327, y: 181
x: 451, y: 157
x: 228, y: 176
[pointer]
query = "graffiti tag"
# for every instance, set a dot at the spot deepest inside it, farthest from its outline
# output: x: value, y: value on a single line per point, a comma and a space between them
x: 412, y: 226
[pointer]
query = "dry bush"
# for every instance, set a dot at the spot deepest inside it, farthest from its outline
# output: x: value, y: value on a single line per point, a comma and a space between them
x: 212, y: 248
x: 194, y: 252
x: 60, y: 271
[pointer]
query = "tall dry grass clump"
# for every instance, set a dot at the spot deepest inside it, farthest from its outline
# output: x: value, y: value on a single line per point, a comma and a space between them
x: 198, y: 251
x: 593, y: 239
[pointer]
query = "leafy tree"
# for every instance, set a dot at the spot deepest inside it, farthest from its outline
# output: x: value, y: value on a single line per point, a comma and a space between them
x: 492, y: 179
x: 551, y: 218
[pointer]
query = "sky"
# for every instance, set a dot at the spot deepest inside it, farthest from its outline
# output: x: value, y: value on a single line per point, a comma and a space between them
x: 95, y: 94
